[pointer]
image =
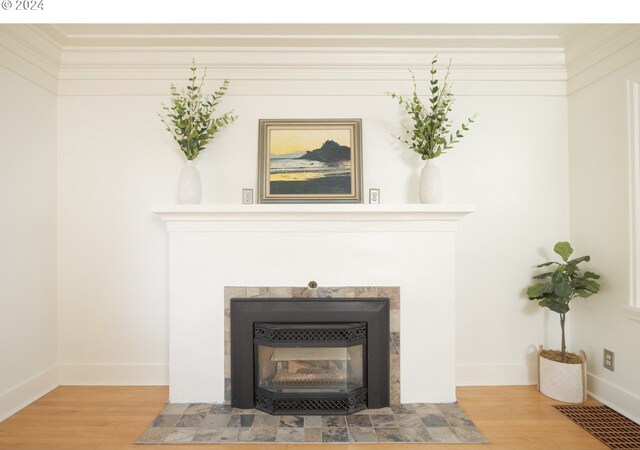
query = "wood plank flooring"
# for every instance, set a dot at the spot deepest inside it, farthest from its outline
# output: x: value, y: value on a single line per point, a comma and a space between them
x: 101, y: 418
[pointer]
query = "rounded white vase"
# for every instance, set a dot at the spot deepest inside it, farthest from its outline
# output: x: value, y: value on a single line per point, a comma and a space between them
x: 430, y: 183
x: 189, y: 186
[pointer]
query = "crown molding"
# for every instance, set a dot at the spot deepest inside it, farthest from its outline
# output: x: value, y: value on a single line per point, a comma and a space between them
x: 308, y: 35
x: 495, y: 59
x: 310, y: 88
x: 311, y: 71
x: 28, y: 52
x: 302, y: 60
x: 499, y: 59
x: 598, y: 50
x: 84, y: 60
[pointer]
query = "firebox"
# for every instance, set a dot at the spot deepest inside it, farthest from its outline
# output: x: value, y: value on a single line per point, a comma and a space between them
x: 309, y: 357
x: 310, y: 367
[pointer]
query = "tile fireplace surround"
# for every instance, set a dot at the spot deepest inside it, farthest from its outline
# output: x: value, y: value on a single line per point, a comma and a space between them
x: 346, y: 292
x: 408, y: 249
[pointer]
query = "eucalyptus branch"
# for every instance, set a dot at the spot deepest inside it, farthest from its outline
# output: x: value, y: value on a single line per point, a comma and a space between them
x: 430, y: 135
x: 190, y: 116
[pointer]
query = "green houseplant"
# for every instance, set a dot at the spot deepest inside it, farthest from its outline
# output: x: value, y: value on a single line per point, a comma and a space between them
x: 432, y: 132
x: 191, y: 121
x: 555, y: 289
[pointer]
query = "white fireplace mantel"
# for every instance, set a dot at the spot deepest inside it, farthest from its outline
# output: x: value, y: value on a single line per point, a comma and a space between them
x: 410, y: 246
x: 409, y: 217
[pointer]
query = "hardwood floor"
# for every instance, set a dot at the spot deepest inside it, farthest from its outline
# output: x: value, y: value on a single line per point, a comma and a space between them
x: 92, y: 418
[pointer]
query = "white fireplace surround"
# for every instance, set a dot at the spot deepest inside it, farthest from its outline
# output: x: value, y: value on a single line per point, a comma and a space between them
x: 213, y: 246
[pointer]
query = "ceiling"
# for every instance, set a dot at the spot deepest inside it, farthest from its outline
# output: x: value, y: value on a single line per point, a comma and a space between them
x: 312, y: 35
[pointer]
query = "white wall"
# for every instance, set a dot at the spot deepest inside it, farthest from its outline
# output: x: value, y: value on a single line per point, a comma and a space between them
x: 115, y: 160
x: 112, y: 268
x: 514, y: 168
x: 28, y: 317
x: 599, y: 162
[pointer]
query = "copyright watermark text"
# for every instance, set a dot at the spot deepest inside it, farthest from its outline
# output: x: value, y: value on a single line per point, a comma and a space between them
x: 22, y: 5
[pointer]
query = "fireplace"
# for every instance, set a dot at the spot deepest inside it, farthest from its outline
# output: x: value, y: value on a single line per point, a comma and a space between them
x: 217, y: 252
x: 300, y: 356
x: 310, y: 368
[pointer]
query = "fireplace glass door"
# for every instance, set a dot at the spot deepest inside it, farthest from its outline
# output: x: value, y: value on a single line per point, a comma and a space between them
x: 310, y: 368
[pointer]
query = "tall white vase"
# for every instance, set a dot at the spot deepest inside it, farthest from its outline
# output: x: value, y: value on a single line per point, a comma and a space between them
x: 430, y: 183
x: 189, y: 186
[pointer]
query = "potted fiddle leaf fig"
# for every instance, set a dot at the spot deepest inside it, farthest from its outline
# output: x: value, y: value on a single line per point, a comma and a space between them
x: 562, y: 375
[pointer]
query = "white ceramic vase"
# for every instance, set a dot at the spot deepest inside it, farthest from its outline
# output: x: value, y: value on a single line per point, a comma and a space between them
x: 430, y: 183
x: 189, y: 186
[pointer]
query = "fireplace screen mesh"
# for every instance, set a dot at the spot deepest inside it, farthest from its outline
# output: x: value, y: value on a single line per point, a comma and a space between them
x: 310, y: 369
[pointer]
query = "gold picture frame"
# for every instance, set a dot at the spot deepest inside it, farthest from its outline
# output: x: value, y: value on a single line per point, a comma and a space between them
x: 310, y: 161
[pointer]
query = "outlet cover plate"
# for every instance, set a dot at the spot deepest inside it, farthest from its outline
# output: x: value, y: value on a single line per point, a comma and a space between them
x: 247, y: 196
x: 609, y: 360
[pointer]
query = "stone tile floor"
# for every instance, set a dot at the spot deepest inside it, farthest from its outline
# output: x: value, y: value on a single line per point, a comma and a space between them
x: 206, y: 423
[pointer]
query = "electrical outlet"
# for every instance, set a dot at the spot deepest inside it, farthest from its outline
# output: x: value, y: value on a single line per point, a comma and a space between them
x: 247, y: 196
x: 374, y: 196
x: 609, y: 360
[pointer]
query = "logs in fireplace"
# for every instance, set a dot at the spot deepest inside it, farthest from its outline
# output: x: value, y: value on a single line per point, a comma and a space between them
x: 308, y: 357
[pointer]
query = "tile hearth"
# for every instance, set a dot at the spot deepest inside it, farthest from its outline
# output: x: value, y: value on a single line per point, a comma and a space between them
x: 206, y: 423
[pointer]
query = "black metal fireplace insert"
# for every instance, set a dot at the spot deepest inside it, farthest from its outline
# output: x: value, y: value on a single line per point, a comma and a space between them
x: 292, y: 356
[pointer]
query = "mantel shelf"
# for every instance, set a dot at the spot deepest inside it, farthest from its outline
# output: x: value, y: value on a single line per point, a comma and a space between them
x: 313, y: 212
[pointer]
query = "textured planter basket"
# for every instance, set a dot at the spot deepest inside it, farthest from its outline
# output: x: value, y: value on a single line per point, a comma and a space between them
x: 561, y: 381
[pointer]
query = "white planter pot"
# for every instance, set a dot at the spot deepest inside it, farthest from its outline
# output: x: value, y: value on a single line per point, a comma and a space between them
x: 189, y: 186
x: 430, y: 183
x: 561, y: 381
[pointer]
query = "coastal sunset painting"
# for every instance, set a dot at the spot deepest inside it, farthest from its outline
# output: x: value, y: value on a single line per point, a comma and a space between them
x: 310, y: 161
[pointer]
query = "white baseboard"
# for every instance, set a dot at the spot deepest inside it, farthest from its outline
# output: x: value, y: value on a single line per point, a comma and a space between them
x: 114, y: 374
x: 625, y: 402
x: 27, y: 392
x: 495, y: 374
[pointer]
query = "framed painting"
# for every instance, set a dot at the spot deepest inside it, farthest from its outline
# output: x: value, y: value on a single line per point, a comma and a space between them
x: 310, y: 161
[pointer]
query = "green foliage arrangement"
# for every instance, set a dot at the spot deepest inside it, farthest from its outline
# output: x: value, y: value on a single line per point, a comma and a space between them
x: 431, y: 134
x: 558, y: 287
x: 190, y: 117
